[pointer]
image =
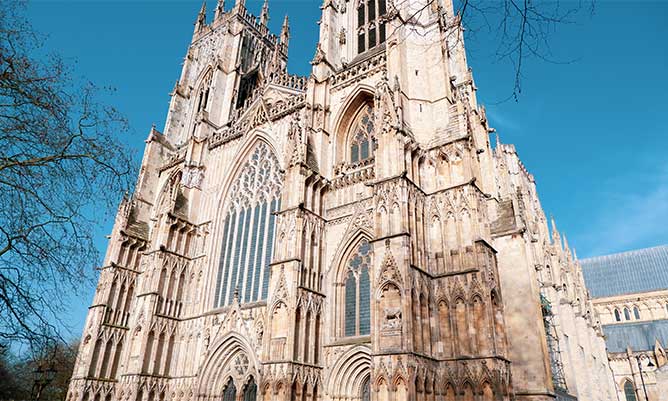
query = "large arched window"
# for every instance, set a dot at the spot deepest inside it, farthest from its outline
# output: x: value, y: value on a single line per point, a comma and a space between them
x: 361, y: 135
x: 618, y: 317
x: 370, y: 24
x: 629, y: 391
x: 357, y: 296
x: 636, y: 313
x: 248, y: 229
x: 627, y: 314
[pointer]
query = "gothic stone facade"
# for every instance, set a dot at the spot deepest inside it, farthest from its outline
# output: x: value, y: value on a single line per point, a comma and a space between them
x: 347, y: 236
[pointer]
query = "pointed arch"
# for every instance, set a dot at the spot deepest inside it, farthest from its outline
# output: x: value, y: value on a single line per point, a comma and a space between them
x: 629, y: 390
x: 349, y: 373
x: 360, y: 96
x: 248, y: 202
x: 215, y: 371
x: 351, y: 286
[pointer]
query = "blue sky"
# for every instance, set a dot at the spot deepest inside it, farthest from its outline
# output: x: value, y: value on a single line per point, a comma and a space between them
x: 591, y: 131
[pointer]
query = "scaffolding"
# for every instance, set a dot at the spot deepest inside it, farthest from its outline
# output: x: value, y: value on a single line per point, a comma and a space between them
x: 558, y: 378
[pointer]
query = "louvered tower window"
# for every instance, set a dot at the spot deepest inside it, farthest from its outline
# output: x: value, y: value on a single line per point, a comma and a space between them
x: 357, y: 295
x: 370, y: 24
x: 361, y: 135
x: 248, y: 229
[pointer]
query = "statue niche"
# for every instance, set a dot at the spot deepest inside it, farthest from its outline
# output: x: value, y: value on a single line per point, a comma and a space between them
x: 391, y: 317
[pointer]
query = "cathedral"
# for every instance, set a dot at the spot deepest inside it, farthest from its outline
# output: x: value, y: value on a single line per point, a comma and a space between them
x: 352, y: 235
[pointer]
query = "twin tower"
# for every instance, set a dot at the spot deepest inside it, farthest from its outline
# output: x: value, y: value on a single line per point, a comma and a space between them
x: 347, y: 236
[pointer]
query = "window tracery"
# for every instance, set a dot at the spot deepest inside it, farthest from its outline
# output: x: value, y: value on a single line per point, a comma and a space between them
x: 357, y: 309
x: 370, y: 24
x: 249, y: 229
x: 361, y: 136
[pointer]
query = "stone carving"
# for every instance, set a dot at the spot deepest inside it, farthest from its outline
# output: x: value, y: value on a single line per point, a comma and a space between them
x: 392, y: 318
x: 192, y: 176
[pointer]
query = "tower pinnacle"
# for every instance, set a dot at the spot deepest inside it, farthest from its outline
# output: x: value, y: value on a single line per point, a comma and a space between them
x: 264, y: 17
x: 220, y: 9
x: 285, y: 31
x: 201, y: 18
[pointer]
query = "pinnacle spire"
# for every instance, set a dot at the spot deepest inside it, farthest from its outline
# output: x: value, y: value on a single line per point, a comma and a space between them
x: 264, y: 17
x: 220, y: 9
x: 285, y: 31
x: 556, y: 237
x: 201, y: 17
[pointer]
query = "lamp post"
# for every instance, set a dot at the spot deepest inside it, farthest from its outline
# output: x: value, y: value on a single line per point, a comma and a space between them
x: 42, y: 376
x: 642, y: 379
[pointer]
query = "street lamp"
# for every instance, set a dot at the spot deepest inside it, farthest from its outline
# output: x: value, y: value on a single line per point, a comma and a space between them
x: 42, y: 377
x: 642, y: 379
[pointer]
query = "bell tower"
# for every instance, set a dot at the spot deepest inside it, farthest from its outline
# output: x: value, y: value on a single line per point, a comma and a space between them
x: 209, y: 94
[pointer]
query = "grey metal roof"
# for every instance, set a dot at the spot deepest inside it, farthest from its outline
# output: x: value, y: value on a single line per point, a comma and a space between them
x: 639, y: 336
x: 627, y: 273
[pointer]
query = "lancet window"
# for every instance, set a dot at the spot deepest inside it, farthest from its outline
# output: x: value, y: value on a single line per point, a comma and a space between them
x: 248, y: 229
x: 370, y: 24
x: 230, y: 392
x: 357, y: 292
x: 361, y: 136
x: 203, y: 92
x: 629, y: 391
x: 250, y: 391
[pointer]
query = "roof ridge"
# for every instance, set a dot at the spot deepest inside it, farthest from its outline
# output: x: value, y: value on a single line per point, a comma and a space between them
x: 633, y: 252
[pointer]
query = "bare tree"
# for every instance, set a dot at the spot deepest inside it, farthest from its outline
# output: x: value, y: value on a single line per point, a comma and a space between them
x: 44, y: 375
x: 61, y: 162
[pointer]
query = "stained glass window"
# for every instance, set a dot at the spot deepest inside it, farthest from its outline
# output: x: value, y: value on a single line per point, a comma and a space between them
x: 357, y: 319
x: 370, y: 24
x: 230, y: 392
x: 248, y: 229
x: 250, y: 392
x: 629, y: 391
x: 361, y: 136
